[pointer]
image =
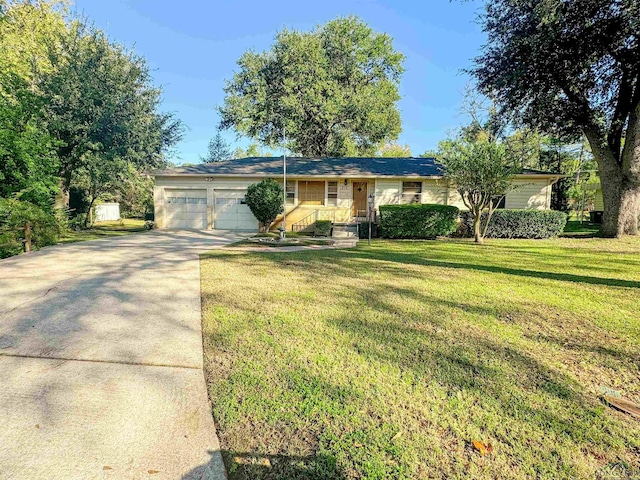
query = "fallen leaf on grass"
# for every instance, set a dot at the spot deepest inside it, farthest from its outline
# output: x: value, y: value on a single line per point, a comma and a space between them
x: 153, y: 471
x: 107, y: 467
x: 482, y: 448
x: 37, y: 425
x: 623, y: 405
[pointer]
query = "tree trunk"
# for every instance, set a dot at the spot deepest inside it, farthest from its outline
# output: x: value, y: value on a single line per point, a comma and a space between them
x: 88, y: 220
x: 620, y: 182
x: 477, y: 232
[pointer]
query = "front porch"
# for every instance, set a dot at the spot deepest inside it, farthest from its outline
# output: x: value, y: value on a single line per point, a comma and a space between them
x: 340, y: 201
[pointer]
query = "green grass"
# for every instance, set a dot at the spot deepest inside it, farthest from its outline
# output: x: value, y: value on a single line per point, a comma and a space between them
x: 105, y: 229
x: 388, y: 361
x: 576, y: 228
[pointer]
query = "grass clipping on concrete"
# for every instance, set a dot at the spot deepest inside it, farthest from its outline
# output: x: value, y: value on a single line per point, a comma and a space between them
x: 389, y: 361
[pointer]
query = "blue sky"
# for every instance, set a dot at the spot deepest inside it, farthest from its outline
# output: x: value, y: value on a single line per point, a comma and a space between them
x: 193, y: 45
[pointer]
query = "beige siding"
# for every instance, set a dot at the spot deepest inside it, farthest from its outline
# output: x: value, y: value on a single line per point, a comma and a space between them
x: 454, y: 199
x: 387, y: 192
x: 530, y: 194
x: 345, y: 194
x: 434, y: 191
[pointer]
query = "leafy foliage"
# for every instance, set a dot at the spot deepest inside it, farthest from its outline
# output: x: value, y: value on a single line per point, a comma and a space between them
x: 417, y: 220
x: 253, y: 150
x: 573, y: 67
x: 394, y: 150
x: 46, y: 227
x: 517, y: 224
x: 106, y: 121
x: 265, y: 199
x: 77, y: 111
x: 335, y: 90
x: 482, y: 172
x: 135, y: 196
x: 28, y: 163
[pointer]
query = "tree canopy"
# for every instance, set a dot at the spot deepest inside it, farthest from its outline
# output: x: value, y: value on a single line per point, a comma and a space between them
x: 77, y: 110
x: 573, y: 66
x: 481, y: 170
x: 265, y: 200
x: 334, y: 89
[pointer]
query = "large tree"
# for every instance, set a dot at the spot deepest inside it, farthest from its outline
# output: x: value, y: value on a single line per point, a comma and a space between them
x: 28, y: 164
x: 102, y: 107
x: 334, y: 89
x: 574, y: 66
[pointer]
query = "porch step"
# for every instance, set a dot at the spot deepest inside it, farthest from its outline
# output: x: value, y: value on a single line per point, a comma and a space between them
x: 345, y: 231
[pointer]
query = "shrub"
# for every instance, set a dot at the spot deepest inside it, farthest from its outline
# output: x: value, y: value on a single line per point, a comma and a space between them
x: 149, y: 225
x: 265, y: 201
x: 417, y: 220
x: 517, y: 224
x: 363, y: 231
x: 46, y: 227
x: 322, y: 228
x: 78, y: 222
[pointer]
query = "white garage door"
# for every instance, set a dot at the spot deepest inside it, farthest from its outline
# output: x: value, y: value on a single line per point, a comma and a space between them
x: 232, y: 213
x: 186, y: 209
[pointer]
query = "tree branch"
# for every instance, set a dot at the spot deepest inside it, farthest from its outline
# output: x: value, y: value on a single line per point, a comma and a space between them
x: 623, y: 107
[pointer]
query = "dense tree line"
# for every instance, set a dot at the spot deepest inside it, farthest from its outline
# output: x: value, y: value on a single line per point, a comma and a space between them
x: 77, y: 110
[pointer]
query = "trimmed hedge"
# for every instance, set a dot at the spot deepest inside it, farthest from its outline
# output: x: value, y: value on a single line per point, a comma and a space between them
x: 417, y: 220
x: 322, y: 228
x: 517, y: 224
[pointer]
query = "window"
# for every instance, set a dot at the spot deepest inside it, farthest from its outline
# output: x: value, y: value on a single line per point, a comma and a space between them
x: 197, y: 200
x: 291, y: 191
x: 332, y: 193
x: 411, y: 192
x: 310, y: 193
x: 176, y: 200
x: 220, y: 201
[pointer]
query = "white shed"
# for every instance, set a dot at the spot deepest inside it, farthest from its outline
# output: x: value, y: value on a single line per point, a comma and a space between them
x: 107, y: 212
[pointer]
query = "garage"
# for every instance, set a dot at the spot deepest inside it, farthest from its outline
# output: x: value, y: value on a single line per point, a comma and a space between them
x: 186, y: 209
x: 232, y: 213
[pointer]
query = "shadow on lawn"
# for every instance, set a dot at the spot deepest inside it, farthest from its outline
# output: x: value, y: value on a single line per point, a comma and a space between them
x: 255, y: 466
x: 564, y: 277
x: 338, y: 256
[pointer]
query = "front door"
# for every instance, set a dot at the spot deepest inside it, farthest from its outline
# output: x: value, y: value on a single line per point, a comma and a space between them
x: 359, y: 205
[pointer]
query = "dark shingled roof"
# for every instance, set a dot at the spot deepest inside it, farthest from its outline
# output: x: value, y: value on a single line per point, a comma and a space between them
x: 300, y: 166
x: 325, y: 167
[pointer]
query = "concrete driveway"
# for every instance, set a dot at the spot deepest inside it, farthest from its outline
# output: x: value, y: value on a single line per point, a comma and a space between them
x: 101, y: 361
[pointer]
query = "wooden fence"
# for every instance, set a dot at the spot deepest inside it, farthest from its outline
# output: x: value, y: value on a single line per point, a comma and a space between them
x: 27, y: 237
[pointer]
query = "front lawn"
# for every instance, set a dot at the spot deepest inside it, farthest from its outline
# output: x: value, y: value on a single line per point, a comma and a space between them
x: 389, y: 361
x: 105, y: 229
